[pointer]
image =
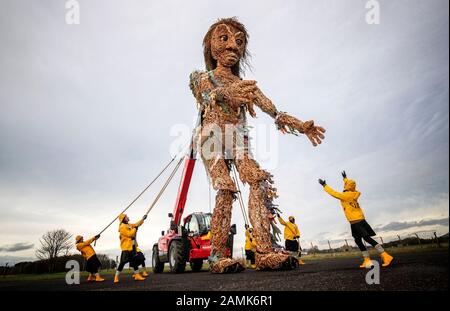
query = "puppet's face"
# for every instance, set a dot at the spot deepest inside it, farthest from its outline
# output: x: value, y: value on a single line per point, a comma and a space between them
x: 227, y: 45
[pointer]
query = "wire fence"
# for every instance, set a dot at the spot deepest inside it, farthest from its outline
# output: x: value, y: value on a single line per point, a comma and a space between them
x: 348, y: 244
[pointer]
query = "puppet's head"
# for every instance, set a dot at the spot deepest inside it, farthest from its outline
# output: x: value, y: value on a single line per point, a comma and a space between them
x: 226, y: 43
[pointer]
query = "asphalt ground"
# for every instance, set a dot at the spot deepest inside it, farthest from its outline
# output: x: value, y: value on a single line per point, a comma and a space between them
x: 427, y: 271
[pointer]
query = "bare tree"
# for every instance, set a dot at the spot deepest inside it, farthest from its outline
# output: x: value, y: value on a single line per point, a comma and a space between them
x: 54, y: 243
x: 107, y: 263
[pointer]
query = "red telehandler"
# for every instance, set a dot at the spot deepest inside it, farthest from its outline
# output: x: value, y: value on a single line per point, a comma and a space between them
x: 190, y: 241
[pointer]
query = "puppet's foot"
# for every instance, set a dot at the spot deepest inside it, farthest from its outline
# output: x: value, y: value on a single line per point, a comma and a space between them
x: 225, y: 265
x: 275, y: 261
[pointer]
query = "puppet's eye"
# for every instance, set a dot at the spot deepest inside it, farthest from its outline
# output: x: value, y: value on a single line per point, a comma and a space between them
x: 224, y: 38
x: 239, y: 42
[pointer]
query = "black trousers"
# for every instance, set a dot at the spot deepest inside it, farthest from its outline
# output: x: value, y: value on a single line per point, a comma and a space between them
x: 128, y: 257
x: 361, y: 245
x: 140, y: 259
x: 93, y: 264
x: 292, y: 245
x: 362, y: 230
x: 250, y: 255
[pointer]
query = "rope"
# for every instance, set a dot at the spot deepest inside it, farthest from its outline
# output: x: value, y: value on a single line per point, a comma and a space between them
x: 139, y: 195
x: 241, y: 201
x: 209, y: 191
x: 164, y: 187
x: 152, y: 182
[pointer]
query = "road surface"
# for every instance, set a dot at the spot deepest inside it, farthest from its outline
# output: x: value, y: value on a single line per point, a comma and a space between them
x: 413, y: 271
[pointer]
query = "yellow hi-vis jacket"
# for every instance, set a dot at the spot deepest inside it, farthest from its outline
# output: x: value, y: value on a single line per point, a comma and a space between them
x: 291, y: 231
x: 86, y: 249
x: 349, y: 200
x: 128, y: 235
x: 250, y: 241
x: 206, y: 236
x: 138, y: 250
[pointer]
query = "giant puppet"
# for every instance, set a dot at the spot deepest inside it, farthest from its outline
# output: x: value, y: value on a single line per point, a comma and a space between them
x: 224, y: 99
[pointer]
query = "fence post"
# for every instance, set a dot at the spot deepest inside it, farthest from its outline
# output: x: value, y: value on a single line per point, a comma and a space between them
x: 400, y: 240
x: 418, y: 239
x: 437, y: 240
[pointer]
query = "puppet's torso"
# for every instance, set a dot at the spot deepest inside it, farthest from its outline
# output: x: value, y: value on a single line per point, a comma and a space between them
x: 215, y: 111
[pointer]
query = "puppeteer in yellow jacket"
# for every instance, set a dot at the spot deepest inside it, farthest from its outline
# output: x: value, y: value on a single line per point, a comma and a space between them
x: 88, y: 252
x: 361, y: 230
x: 349, y: 200
x: 128, y: 233
x: 128, y: 246
x: 291, y: 231
x: 291, y: 237
x: 250, y: 241
x: 250, y: 248
x: 85, y: 247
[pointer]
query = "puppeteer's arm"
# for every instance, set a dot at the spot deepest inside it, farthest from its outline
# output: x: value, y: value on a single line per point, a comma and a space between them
x: 343, y: 196
x: 282, y: 221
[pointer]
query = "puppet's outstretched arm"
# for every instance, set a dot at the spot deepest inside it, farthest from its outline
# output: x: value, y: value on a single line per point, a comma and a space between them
x: 287, y: 123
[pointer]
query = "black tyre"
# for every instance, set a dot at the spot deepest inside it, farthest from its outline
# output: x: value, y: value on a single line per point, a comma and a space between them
x: 158, y: 266
x: 177, y: 261
x: 196, y: 265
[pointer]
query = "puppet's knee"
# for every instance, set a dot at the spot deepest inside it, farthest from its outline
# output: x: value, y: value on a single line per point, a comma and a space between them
x: 220, y: 175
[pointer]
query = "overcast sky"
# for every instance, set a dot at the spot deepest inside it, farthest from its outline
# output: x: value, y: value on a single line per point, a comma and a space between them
x: 86, y: 112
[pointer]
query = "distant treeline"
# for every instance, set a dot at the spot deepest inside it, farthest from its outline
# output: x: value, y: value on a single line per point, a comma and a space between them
x: 408, y: 241
x: 416, y: 241
x: 57, y: 264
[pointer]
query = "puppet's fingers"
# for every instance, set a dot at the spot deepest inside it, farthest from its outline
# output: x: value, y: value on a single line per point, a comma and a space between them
x: 318, y: 137
x: 319, y: 133
x: 321, y: 129
x: 311, y: 138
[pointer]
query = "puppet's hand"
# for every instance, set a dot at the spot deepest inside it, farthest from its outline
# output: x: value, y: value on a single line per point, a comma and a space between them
x: 238, y: 94
x: 290, y: 124
x: 315, y: 133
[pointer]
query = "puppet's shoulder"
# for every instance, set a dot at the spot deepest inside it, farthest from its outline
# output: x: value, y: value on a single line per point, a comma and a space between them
x: 199, y: 79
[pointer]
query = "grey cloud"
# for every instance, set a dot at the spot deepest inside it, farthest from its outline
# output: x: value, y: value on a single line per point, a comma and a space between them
x: 16, y: 247
x: 12, y: 260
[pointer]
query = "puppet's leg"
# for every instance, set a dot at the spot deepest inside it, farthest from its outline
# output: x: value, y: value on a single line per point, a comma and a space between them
x: 261, y: 195
x: 219, y: 260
